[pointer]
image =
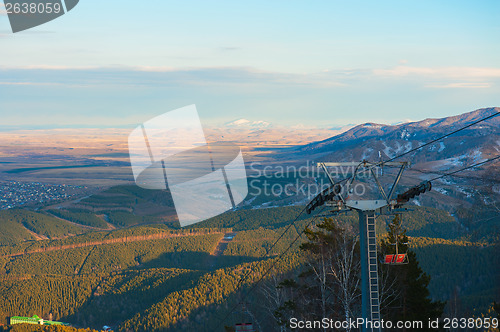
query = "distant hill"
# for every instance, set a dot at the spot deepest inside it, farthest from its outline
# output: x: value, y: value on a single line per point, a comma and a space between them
x: 377, y: 142
x: 21, y: 225
x: 248, y: 123
x: 367, y: 140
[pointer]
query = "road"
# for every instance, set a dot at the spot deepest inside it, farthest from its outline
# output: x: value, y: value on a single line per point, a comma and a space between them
x: 219, y: 250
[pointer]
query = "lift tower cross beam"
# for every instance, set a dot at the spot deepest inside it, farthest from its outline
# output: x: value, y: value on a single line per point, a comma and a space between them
x: 370, y: 301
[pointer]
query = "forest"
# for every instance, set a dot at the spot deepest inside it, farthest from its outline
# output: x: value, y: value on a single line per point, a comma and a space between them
x: 144, y: 274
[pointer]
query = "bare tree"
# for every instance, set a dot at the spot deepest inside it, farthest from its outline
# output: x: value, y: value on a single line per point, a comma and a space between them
x: 345, y: 271
x: 276, y: 296
x: 329, y: 284
x: 321, y: 269
x: 322, y: 247
x: 388, y: 292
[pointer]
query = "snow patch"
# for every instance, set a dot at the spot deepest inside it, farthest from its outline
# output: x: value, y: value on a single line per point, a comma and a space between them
x: 408, y: 147
x: 372, y: 125
x: 476, y: 155
x: 398, y: 148
x: 457, y: 161
x: 496, y: 188
x: 366, y: 153
x: 391, y: 152
x: 441, y: 191
x: 463, y: 191
x: 387, y: 150
x: 405, y: 134
x: 248, y: 123
x: 446, y: 182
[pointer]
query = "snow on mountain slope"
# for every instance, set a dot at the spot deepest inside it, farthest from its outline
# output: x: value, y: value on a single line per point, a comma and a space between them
x: 375, y: 142
x: 365, y: 141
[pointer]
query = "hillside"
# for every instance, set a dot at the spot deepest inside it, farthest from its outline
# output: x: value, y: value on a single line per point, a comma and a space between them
x: 150, y: 277
x: 120, y: 206
x: 365, y: 141
x: 22, y: 225
x: 477, y: 187
x: 119, y: 257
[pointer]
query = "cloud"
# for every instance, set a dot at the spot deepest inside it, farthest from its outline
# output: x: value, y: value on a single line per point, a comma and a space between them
x: 441, y: 72
x: 229, y: 48
x: 47, y: 67
x: 460, y: 86
x: 15, y: 83
x: 126, y: 94
x: 27, y: 83
x: 37, y: 32
x: 229, y: 77
x: 158, y: 76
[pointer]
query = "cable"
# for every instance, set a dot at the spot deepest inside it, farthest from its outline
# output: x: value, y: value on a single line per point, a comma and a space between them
x: 267, y: 253
x: 274, y: 244
x: 266, y: 272
x: 424, y: 171
x: 463, y: 169
x: 426, y: 144
x: 375, y: 165
x: 444, y: 136
x: 458, y: 176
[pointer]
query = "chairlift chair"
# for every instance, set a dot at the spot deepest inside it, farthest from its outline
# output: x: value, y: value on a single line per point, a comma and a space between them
x: 397, y: 258
x: 244, y: 327
x: 245, y: 316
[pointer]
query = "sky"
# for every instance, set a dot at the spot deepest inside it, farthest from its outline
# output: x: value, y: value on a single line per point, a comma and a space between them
x: 315, y: 63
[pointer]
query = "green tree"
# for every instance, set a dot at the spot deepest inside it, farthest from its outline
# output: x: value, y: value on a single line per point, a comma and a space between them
x: 410, y: 299
x: 328, y: 286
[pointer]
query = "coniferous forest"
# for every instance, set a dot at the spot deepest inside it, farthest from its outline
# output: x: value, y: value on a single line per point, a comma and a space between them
x: 72, y: 266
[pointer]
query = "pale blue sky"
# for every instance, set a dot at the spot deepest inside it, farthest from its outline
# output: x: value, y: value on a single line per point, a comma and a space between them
x: 117, y: 63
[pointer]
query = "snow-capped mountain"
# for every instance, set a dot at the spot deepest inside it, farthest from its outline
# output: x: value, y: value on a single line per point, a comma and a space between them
x: 373, y: 141
x: 377, y: 142
x: 248, y: 124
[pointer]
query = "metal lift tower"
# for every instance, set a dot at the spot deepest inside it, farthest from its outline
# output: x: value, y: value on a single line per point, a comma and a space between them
x: 337, y: 197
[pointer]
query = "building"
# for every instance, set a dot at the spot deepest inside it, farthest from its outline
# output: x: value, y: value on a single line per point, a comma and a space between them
x: 33, y: 320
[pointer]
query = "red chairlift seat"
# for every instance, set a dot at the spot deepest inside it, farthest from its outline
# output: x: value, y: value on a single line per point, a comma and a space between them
x: 396, y: 259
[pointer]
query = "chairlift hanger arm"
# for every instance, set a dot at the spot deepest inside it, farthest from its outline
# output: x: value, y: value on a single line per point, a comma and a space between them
x: 336, y: 188
x: 351, y: 180
x: 396, y: 181
x: 327, y: 174
x: 380, y: 188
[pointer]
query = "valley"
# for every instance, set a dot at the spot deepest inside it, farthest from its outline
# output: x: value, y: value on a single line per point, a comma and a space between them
x: 103, y: 251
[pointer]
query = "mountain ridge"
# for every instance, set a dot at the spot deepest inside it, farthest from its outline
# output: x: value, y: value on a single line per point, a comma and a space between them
x: 376, y: 129
x: 378, y: 142
x: 366, y: 140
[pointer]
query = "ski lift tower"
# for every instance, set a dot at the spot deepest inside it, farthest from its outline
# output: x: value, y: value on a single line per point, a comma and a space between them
x: 337, y: 196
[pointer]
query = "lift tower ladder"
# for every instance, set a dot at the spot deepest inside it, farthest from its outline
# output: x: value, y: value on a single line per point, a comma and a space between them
x: 334, y: 196
x: 369, y: 259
